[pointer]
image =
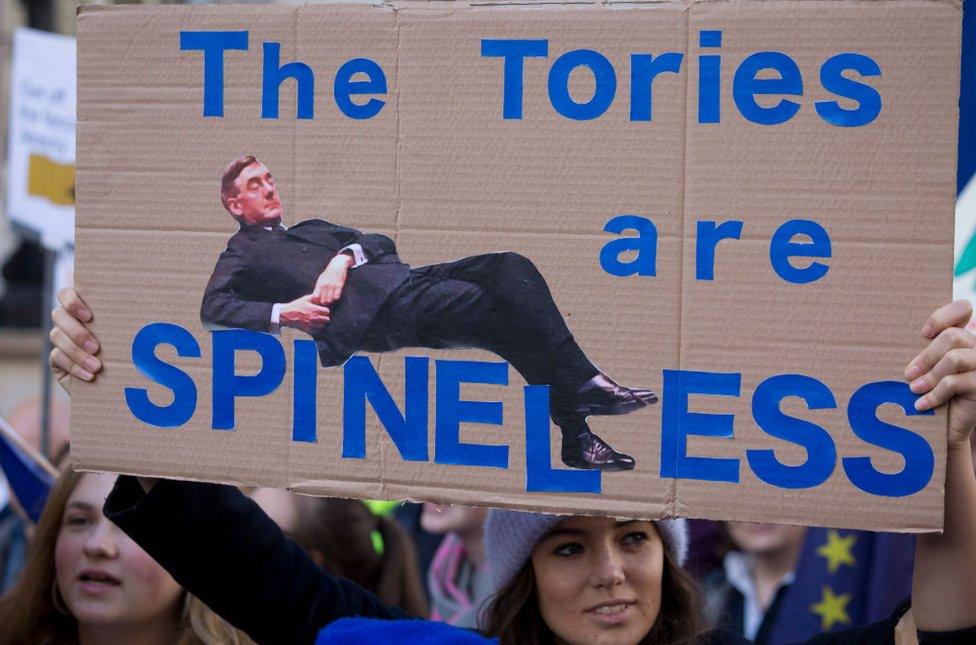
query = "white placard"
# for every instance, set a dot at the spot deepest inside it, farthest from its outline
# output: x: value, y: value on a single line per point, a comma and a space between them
x: 964, y: 274
x: 40, y: 179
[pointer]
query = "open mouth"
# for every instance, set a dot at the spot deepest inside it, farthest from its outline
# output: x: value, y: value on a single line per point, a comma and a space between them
x: 610, y: 610
x: 612, y: 613
x: 97, y: 578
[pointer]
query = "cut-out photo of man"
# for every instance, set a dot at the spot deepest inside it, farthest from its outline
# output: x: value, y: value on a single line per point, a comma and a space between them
x: 350, y: 292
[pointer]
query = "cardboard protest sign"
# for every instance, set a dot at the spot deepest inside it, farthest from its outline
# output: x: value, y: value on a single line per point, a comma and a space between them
x: 410, y: 251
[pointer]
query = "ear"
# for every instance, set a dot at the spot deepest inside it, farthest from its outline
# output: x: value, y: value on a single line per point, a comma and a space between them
x: 234, y: 207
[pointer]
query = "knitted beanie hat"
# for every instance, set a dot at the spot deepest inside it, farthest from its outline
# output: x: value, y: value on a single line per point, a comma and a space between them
x: 510, y: 537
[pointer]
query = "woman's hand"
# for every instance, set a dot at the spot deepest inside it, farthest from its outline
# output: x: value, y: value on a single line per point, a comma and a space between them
x: 945, y: 565
x: 75, y: 348
x: 945, y: 371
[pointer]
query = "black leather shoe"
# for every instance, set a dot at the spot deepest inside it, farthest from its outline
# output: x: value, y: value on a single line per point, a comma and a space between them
x: 602, y: 396
x: 587, y: 451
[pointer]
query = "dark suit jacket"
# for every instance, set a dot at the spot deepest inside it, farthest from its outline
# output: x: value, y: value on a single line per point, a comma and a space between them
x: 260, y: 268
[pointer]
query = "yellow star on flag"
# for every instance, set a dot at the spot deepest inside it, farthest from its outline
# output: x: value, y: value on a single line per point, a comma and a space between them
x: 832, y: 609
x: 837, y: 550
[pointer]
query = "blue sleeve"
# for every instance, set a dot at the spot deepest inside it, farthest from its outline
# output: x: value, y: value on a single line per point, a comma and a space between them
x: 358, y: 631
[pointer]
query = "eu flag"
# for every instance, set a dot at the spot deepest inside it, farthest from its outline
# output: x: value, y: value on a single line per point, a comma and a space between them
x: 843, y: 579
x: 28, y: 475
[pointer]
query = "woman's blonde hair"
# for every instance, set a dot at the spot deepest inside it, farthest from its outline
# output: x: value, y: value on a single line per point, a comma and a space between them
x: 29, y: 613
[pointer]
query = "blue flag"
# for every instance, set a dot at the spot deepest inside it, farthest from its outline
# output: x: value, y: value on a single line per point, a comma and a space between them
x: 967, y: 97
x: 30, y: 480
x: 843, y: 579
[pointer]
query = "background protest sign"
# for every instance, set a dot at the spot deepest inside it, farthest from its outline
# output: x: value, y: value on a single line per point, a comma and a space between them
x: 745, y: 207
x: 41, y: 153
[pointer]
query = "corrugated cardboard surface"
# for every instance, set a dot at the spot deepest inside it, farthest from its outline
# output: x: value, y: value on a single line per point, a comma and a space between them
x: 443, y: 173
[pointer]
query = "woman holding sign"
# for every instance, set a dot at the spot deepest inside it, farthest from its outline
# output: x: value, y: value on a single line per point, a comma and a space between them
x: 558, y: 579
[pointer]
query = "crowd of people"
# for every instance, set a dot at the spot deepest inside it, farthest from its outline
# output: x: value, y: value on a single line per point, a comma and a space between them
x: 120, y: 559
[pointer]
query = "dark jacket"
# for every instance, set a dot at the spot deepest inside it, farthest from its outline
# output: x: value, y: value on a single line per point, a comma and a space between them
x: 727, y: 606
x: 221, y: 547
x: 262, y: 267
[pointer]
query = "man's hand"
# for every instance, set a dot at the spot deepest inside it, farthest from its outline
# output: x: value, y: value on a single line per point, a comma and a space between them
x: 328, y: 288
x: 304, y: 314
x: 946, y: 369
x: 74, y: 346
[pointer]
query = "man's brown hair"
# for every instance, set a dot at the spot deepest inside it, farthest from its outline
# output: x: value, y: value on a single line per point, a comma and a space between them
x: 228, y: 188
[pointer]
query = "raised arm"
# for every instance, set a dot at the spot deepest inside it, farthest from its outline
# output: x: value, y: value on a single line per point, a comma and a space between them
x: 222, y: 548
x: 943, y: 595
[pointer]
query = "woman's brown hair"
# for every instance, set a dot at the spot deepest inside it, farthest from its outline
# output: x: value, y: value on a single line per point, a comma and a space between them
x: 513, y: 614
x: 339, y: 535
x: 27, y: 612
x: 29, y: 616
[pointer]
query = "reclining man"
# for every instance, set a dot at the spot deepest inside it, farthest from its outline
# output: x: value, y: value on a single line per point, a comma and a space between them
x: 350, y: 292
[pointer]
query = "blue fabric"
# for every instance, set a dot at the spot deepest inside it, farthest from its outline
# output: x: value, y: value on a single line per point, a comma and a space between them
x: 360, y: 631
x: 13, y: 547
x: 967, y: 97
x: 872, y: 582
x: 29, y: 482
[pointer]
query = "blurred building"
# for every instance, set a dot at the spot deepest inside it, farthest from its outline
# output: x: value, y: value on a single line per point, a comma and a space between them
x: 23, y: 323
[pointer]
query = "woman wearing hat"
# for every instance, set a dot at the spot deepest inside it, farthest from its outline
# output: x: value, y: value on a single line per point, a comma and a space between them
x: 558, y: 579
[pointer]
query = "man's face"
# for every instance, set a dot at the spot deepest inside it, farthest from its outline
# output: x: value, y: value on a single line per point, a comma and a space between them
x: 257, y: 201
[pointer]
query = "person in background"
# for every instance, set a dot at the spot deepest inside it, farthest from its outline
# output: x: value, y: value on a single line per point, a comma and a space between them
x: 872, y: 570
x: 745, y: 593
x: 87, y: 582
x: 774, y: 586
x: 707, y: 546
x: 407, y: 514
x: 346, y: 539
x: 458, y: 580
x: 280, y: 505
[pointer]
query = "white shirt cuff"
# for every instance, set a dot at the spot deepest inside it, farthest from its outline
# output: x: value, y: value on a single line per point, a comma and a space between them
x: 358, y: 255
x: 275, y: 326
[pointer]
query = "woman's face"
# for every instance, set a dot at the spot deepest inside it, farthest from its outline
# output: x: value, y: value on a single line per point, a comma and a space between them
x: 599, y: 579
x: 765, y: 539
x: 106, y: 580
x: 280, y: 505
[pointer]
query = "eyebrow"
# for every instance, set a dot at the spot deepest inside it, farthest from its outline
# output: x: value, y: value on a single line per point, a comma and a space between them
x: 85, y: 506
x: 558, y: 531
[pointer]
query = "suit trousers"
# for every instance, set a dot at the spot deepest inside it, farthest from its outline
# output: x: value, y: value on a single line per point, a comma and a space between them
x: 497, y: 302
